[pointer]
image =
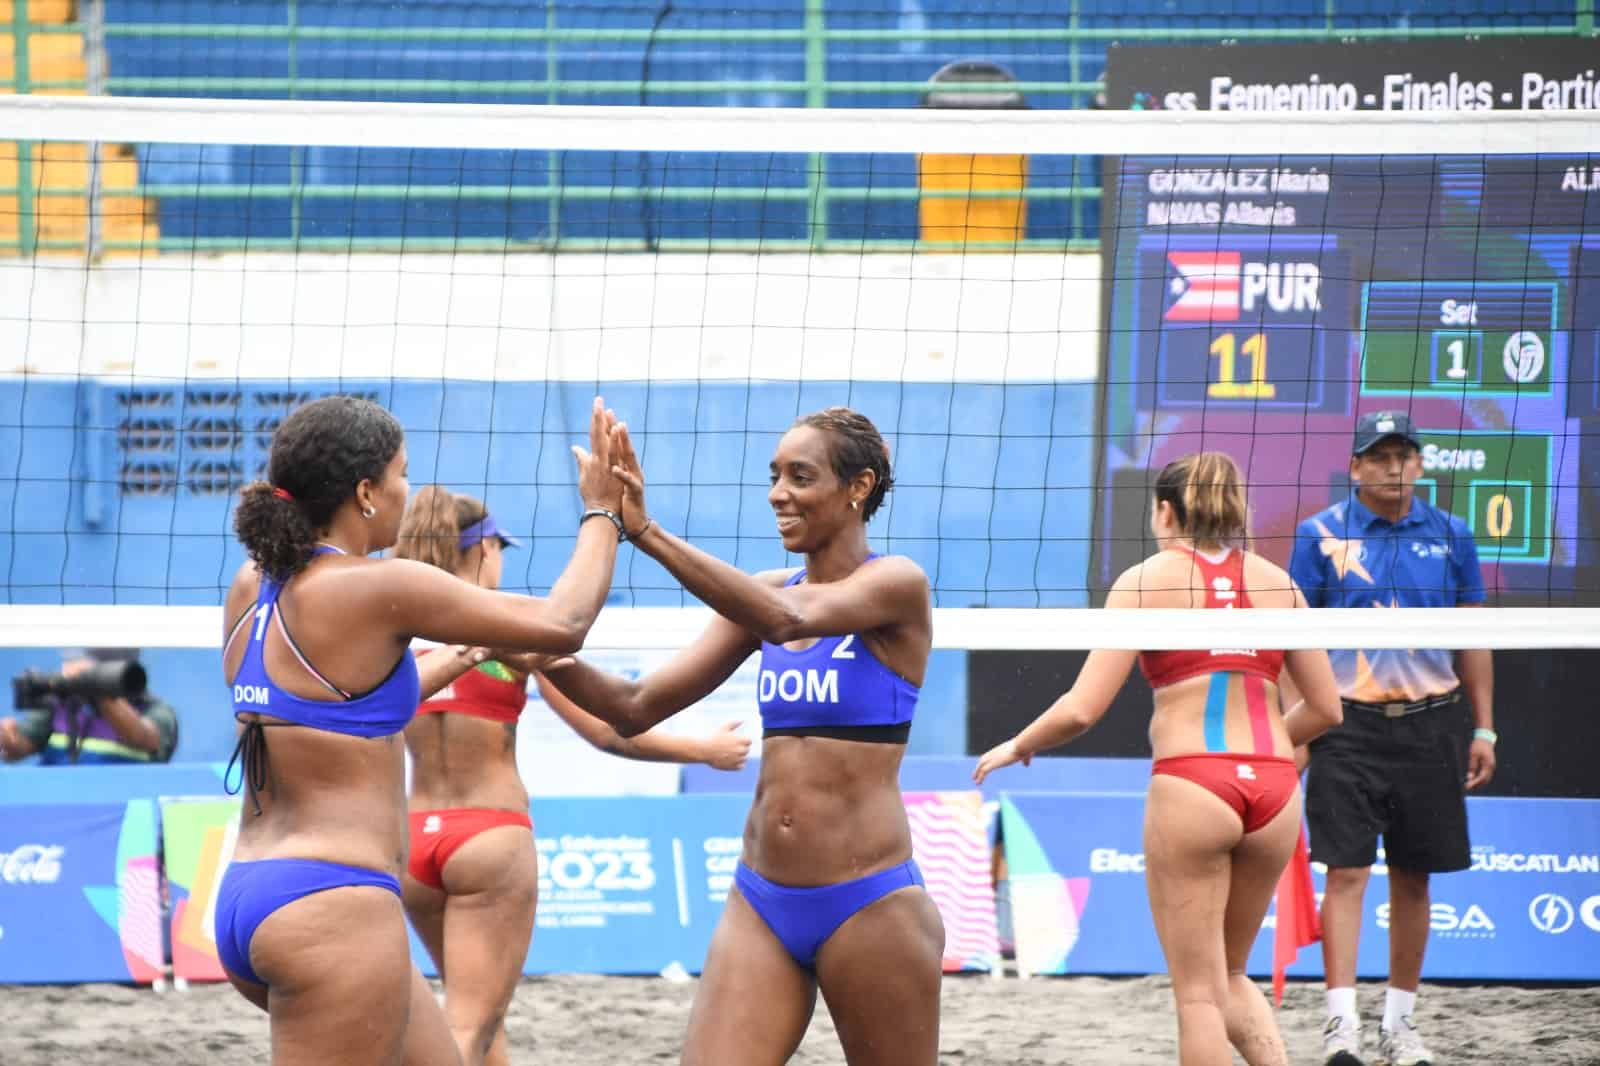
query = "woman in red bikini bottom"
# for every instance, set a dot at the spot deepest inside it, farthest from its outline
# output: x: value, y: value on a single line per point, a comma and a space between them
x: 1222, y: 815
x: 472, y: 867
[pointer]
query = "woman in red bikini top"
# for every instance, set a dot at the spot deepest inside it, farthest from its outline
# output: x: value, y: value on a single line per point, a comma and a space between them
x: 1222, y: 815
x: 471, y: 844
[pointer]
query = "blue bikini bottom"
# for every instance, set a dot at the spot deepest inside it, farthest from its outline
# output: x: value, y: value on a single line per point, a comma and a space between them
x: 803, y: 918
x: 250, y: 891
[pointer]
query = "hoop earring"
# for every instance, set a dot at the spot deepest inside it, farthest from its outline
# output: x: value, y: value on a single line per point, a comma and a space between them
x: 369, y: 512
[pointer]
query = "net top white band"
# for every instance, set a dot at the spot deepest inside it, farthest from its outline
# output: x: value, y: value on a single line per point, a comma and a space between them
x: 1004, y: 629
x: 154, y: 120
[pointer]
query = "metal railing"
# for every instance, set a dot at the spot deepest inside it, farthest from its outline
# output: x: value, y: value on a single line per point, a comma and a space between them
x: 815, y: 89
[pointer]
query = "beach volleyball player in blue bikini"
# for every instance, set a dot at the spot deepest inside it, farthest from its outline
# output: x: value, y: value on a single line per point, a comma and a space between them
x: 317, y: 655
x: 826, y: 896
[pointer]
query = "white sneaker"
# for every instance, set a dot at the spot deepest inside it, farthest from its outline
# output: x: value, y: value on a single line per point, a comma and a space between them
x: 1341, y: 1042
x: 1403, y: 1046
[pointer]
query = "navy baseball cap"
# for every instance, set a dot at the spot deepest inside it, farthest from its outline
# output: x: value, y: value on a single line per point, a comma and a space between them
x: 482, y: 530
x: 1375, y: 426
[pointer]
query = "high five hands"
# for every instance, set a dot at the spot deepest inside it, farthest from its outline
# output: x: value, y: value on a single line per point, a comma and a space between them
x: 626, y: 468
x: 610, y: 477
x: 598, y: 485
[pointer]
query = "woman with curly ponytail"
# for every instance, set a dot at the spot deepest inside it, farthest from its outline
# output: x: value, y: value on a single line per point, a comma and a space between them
x: 317, y: 651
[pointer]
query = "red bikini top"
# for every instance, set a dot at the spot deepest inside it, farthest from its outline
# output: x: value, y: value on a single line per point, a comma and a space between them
x: 1224, y: 584
x: 489, y: 690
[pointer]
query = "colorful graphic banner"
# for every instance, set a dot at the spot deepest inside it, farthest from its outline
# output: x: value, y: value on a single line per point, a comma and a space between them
x: 950, y: 840
x: 197, y: 837
x: 1528, y: 909
x: 626, y: 884
x: 633, y: 885
x: 80, y: 896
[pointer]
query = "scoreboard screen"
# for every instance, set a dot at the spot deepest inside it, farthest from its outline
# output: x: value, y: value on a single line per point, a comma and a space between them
x: 1259, y: 305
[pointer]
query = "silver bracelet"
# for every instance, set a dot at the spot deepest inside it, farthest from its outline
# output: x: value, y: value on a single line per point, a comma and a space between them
x: 616, y: 520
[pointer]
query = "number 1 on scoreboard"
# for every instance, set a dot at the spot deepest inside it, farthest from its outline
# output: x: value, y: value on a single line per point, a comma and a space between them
x: 1227, y: 387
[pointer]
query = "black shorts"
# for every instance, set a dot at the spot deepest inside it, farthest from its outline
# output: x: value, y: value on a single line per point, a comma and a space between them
x: 1401, y: 778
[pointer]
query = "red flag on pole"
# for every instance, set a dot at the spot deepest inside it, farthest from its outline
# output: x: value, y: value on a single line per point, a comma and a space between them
x: 1298, y: 921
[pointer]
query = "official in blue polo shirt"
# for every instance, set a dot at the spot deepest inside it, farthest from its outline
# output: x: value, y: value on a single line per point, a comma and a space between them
x: 1395, y: 767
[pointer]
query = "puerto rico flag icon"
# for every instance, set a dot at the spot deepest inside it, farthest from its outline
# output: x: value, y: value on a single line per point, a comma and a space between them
x: 1204, y: 285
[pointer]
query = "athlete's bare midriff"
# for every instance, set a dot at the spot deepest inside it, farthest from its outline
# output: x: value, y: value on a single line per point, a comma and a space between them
x: 1178, y: 725
x: 826, y: 811
x: 329, y: 797
x: 1171, y: 579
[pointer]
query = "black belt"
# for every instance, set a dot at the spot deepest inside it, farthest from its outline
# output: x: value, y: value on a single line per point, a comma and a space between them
x: 1400, y: 708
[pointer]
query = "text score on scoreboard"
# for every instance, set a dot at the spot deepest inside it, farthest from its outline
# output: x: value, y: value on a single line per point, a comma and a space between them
x: 1498, y: 483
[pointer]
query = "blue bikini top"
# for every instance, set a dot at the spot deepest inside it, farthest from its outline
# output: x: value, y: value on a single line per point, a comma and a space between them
x: 382, y: 712
x: 836, y: 687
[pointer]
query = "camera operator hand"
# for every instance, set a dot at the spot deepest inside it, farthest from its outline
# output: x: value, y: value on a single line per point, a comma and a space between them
x: 132, y: 727
x: 14, y: 744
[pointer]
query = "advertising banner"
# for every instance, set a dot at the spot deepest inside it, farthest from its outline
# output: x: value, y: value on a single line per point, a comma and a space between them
x: 633, y: 885
x: 197, y: 838
x: 1528, y: 909
x: 950, y: 841
x: 626, y: 884
x: 80, y: 896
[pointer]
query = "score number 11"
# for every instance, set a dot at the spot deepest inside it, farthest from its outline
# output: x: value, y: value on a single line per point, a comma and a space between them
x: 1228, y: 386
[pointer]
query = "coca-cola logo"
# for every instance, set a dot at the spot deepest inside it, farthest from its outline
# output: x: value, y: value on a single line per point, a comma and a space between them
x: 32, y: 864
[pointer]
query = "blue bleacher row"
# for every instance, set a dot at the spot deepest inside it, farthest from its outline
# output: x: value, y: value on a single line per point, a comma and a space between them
x: 633, y: 216
x: 122, y: 494
x: 969, y: 14
x: 633, y: 209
